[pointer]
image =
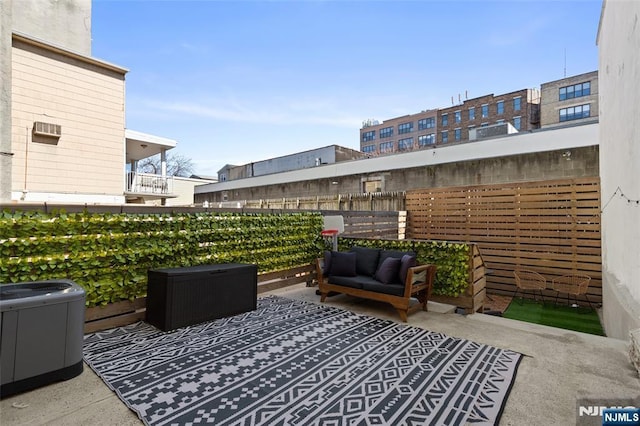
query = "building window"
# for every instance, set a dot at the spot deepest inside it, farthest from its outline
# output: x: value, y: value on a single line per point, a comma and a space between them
x: 405, y: 128
x: 500, y: 107
x: 516, y: 123
x: 500, y: 122
x: 485, y: 110
x: 575, y: 91
x: 517, y: 103
x: 484, y: 124
x: 372, y: 185
x: 386, y: 132
x: 405, y: 144
x: 575, y: 113
x: 369, y: 149
x: 458, y: 116
x: 425, y: 140
x: 368, y: 136
x: 427, y: 123
x: 445, y: 119
x: 472, y: 114
x: 458, y: 134
x: 386, y: 147
x: 445, y: 136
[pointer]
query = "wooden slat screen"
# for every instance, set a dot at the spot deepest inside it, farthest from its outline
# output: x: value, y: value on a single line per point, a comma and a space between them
x: 551, y: 227
x: 370, y: 224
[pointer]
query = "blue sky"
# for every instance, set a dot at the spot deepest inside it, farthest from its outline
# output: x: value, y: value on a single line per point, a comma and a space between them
x: 241, y: 81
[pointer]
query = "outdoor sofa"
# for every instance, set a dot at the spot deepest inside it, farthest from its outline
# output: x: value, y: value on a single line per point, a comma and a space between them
x: 385, y: 275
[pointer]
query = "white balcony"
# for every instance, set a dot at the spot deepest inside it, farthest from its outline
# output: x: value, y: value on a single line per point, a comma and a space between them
x: 148, y: 186
x: 143, y: 187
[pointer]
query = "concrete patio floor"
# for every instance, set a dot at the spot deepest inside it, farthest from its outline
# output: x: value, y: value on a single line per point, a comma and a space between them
x: 559, y: 367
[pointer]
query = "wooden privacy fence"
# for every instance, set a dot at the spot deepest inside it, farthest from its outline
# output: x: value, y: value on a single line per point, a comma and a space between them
x: 551, y: 227
x: 372, y: 201
x: 369, y: 224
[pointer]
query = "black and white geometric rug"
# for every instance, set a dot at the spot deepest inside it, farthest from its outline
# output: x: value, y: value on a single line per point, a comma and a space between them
x: 292, y: 362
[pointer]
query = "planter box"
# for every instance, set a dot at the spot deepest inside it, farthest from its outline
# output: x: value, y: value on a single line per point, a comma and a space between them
x: 472, y: 300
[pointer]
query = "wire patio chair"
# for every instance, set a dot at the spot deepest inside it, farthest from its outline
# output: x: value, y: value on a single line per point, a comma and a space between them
x: 573, y: 285
x: 529, y: 280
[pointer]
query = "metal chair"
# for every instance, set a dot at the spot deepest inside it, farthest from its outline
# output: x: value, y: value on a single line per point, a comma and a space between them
x: 529, y: 280
x: 573, y: 285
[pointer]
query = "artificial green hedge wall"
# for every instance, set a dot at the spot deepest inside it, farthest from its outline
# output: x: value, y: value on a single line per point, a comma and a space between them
x: 452, y: 259
x: 109, y: 254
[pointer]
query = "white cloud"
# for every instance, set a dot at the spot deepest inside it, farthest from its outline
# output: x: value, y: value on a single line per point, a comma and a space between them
x: 522, y: 33
x: 322, y: 112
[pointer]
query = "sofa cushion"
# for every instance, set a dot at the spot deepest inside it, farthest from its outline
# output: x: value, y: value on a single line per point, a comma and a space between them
x: 366, y: 260
x: 326, y: 267
x: 406, y: 262
x: 343, y: 264
x: 353, y: 282
x: 395, y: 289
x: 393, y: 253
x: 387, y: 272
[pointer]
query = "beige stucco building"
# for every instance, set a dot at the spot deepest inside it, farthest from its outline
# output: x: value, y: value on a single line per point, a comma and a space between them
x: 619, y: 47
x: 67, y: 125
x: 62, y: 114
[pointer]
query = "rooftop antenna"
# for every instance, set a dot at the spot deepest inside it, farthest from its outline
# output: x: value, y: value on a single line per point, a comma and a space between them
x: 565, y: 62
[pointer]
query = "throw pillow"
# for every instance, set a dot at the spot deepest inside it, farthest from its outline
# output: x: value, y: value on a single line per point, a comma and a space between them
x: 406, y: 262
x: 393, y: 253
x: 387, y: 273
x: 343, y: 264
x: 366, y: 260
x: 327, y: 263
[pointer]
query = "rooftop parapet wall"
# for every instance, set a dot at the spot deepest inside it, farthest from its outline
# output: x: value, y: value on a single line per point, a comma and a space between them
x: 559, y: 164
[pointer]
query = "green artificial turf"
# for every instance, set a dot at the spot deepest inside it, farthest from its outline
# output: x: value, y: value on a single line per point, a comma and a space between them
x: 561, y: 316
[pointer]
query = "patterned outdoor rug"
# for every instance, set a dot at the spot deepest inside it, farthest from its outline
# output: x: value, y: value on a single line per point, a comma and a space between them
x: 294, y: 362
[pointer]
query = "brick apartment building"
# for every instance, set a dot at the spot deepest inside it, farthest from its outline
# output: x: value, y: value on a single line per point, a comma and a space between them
x: 519, y: 108
x: 569, y: 100
x: 441, y: 126
x: 566, y: 101
x: 415, y: 131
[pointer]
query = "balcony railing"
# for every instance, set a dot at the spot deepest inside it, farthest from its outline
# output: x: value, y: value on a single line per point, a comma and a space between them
x: 145, y: 183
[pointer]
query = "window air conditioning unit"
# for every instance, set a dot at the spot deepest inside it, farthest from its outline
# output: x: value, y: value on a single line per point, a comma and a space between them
x: 47, y: 129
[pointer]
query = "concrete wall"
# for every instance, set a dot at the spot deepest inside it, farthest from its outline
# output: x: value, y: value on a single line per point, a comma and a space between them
x: 525, y: 167
x: 619, y: 48
x: 556, y: 148
x: 84, y: 97
x: 64, y: 23
x: 6, y: 7
x: 551, y: 104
